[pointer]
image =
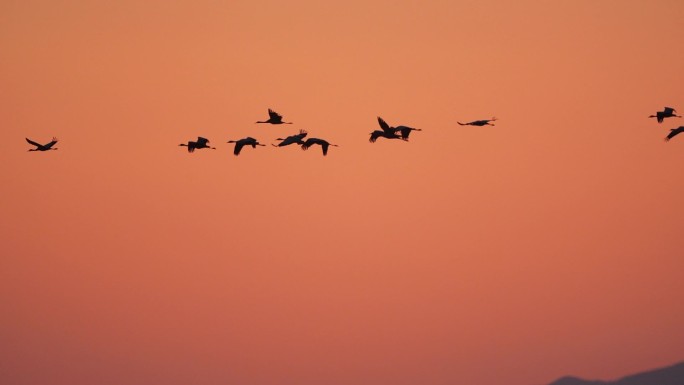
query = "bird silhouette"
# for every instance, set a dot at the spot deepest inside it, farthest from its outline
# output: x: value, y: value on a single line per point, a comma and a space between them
x: 674, y: 132
x: 479, y: 123
x: 274, y: 118
x: 42, y: 147
x: 248, y: 141
x: 386, y: 132
x: 200, y: 143
x: 667, y: 112
x: 406, y: 131
x: 292, y: 139
x: 324, y: 144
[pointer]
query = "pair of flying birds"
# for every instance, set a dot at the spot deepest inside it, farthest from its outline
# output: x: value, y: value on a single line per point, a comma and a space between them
x: 668, y: 112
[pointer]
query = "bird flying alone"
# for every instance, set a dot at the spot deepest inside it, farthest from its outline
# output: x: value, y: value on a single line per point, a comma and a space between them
x: 248, y: 141
x: 674, y: 132
x: 198, y: 144
x: 274, y: 118
x: 667, y: 112
x: 479, y: 123
x: 42, y: 147
x: 324, y: 144
x: 291, y: 139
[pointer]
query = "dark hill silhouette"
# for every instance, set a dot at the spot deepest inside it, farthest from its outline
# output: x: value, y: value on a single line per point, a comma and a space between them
x: 670, y: 375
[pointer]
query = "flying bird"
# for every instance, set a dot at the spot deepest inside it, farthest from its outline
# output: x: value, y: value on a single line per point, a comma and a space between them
x: 406, y: 131
x: 274, y: 118
x: 42, y: 147
x: 479, y: 123
x: 324, y: 144
x: 199, y: 143
x: 248, y: 141
x: 386, y: 132
x: 292, y: 139
x: 674, y: 132
x: 667, y: 112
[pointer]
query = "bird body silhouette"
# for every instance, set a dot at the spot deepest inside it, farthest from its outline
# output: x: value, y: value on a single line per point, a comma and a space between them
x: 667, y: 112
x: 292, y: 139
x: 248, y: 141
x: 274, y: 118
x: 479, y: 123
x: 386, y: 132
x: 674, y: 132
x: 198, y: 144
x: 42, y: 147
x: 324, y: 144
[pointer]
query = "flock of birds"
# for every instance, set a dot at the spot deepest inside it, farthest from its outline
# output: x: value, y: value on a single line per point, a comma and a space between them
x: 386, y: 131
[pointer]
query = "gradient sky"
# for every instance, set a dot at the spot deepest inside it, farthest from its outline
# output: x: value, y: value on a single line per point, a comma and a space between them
x: 547, y: 245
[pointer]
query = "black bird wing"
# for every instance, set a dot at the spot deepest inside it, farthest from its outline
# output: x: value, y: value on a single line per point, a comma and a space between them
x: 405, y: 131
x: 308, y: 143
x: 33, y: 143
x: 375, y: 135
x: 238, y: 147
x: 201, y: 142
x: 52, y: 143
x: 385, y: 127
x: 274, y: 115
x: 674, y: 132
x: 669, y: 111
x: 324, y: 146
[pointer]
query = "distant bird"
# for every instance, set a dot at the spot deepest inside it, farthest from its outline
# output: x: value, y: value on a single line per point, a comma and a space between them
x: 667, y: 112
x: 479, y: 123
x: 292, y: 139
x: 248, y: 141
x: 42, y: 147
x: 274, y: 118
x: 200, y: 143
x: 406, y: 131
x: 324, y: 144
x: 386, y: 132
x: 674, y: 132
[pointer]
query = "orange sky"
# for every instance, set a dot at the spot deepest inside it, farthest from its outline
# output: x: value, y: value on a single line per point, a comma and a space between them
x: 549, y: 244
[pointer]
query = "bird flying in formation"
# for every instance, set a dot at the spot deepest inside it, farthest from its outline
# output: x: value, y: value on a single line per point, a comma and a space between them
x: 667, y: 112
x: 479, y: 123
x: 42, y: 147
x: 292, y: 139
x: 199, y: 143
x: 274, y: 118
x: 248, y: 141
x: 386, y: 132
x: 324, y: 144
x: 674, y: 132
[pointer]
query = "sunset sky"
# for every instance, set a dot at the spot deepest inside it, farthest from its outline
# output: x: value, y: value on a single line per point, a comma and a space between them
x: 549, y: 244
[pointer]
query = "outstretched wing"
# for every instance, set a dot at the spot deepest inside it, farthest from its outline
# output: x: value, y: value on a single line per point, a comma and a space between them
x: 674, y: 132
x: 669, y: 110
x: 385, y: 127
x: 274, y: 115
x: 49, y: 145
x: 238, y: 147
x: 33, y: 143
x: 375, y: 135
x: 324, y: 146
